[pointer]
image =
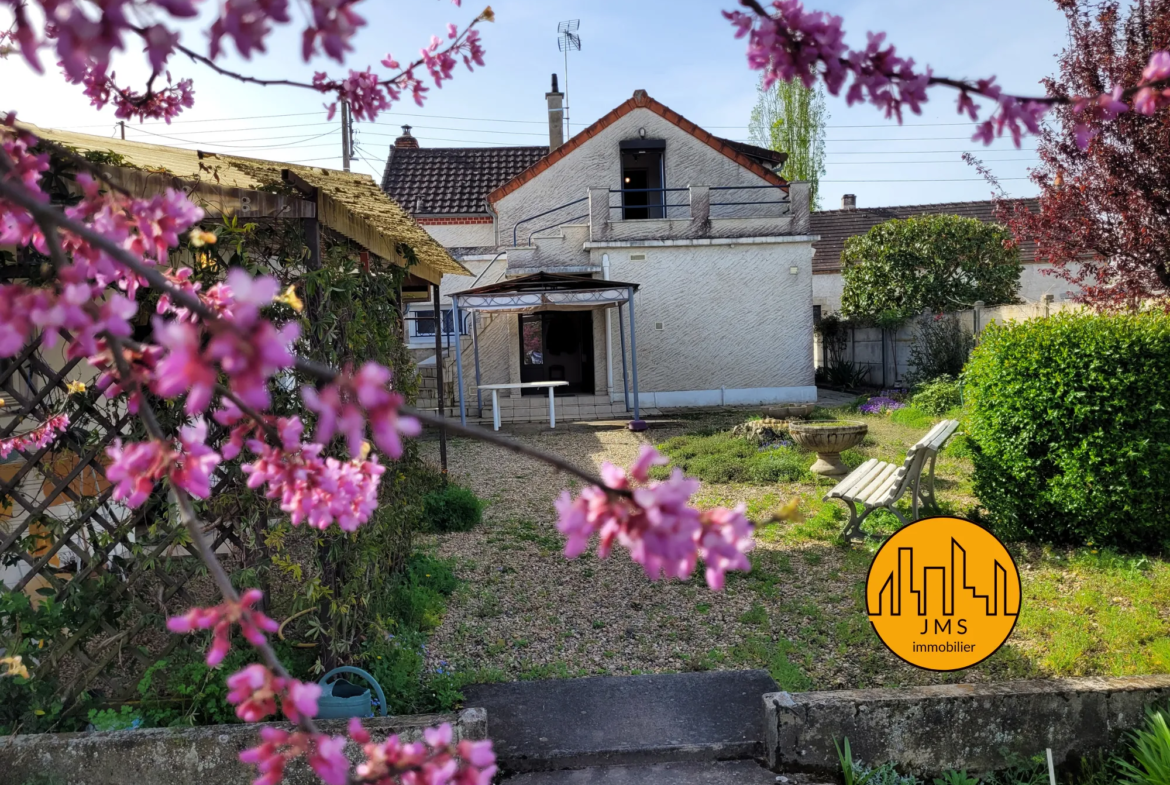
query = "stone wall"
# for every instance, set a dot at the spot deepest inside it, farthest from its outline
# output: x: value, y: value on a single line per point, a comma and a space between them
x: 178, y: 756
x: 977, y: 727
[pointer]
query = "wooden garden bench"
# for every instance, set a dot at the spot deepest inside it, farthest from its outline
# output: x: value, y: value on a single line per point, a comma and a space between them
x: 876, y: 484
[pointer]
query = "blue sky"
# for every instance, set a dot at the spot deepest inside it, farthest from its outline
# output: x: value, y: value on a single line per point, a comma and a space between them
x: 681, y: 51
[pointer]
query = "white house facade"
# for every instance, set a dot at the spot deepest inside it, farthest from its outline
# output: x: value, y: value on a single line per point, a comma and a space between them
x: 712, y: 246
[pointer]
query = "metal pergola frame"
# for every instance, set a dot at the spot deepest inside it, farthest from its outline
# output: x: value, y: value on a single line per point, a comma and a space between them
x: 548, y: 292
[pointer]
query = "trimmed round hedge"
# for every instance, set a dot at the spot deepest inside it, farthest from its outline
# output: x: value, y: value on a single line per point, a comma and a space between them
x: 1069, y: 420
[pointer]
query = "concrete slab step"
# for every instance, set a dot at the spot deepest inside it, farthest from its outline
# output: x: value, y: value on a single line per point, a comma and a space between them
x: 625, y: 720
x: 736, y: 772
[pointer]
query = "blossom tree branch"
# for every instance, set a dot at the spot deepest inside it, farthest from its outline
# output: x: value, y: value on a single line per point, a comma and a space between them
x: 789, y: 43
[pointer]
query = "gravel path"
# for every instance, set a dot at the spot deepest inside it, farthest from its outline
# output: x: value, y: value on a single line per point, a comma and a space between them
x: 523, y: 611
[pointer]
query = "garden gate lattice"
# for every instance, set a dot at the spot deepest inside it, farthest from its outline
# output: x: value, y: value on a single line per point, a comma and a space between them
x: 111, y: 572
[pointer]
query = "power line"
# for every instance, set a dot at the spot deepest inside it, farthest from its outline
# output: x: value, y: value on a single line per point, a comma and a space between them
x: 207, y: 120
x: 285, y: 127
x: 240, y: 146
x: 496, y: 120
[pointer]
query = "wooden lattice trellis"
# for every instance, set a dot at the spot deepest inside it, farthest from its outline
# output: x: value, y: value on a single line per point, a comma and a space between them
x: 117, y: 570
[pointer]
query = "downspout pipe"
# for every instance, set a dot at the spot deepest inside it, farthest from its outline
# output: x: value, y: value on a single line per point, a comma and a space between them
x: 608, y: 334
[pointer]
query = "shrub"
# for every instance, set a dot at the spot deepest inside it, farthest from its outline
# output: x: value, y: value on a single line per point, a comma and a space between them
x: 941, y: 347
x: 452, y: 509
x: 1151, y: 753
x: 939, y: 395
x: 1069, y: 419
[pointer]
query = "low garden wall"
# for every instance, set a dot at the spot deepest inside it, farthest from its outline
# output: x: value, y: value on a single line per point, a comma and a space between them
x: 977, y: 727
x: 171, y: 756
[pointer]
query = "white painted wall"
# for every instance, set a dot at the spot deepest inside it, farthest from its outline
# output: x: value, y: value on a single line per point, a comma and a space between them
x: 597, y: 162
x: 732, y: 316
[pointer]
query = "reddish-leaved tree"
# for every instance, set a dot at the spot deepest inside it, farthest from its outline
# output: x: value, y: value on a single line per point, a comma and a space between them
x: 1104, y: 217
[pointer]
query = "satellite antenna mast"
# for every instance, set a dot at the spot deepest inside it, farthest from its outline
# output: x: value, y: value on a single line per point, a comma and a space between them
x: 567, y: 40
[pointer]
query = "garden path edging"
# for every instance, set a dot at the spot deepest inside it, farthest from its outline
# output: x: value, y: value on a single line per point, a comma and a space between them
x: 978, y: 727
x: 207, y: 754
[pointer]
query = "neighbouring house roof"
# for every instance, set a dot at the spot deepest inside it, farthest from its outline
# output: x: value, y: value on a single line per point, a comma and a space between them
x: 349, y: 203
x: 452, y: 180
x: 747, y: 156
x: 836, y: 226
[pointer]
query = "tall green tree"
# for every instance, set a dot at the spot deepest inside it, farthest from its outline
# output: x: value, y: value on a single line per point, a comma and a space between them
x: 790, y: 118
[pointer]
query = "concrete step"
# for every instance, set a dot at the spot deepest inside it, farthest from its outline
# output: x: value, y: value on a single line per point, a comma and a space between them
x: 625, y: 720
x: 736, y: 772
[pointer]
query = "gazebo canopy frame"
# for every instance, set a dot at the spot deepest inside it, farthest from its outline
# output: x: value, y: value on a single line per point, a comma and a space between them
x: 548, y: 292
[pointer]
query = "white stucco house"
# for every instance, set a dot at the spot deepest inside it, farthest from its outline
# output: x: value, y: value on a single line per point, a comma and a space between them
x: 713, y: 246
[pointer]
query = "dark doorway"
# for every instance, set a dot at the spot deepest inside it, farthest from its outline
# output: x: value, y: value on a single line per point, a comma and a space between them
x: 557, y: 346
x: 643, y: 178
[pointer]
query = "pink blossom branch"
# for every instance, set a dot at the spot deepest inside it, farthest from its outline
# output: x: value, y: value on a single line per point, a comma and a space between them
x: 49, y: 215
x: 791, y: 43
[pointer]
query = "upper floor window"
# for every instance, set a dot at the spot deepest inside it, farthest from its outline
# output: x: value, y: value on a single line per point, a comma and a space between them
x: 643, y: 179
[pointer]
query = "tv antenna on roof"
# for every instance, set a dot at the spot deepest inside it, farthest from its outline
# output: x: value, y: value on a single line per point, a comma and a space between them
x: 568, y: 40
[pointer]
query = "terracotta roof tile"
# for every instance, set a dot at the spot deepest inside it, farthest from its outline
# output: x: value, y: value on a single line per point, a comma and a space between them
x: 836, y: 226
x: 440, y: 180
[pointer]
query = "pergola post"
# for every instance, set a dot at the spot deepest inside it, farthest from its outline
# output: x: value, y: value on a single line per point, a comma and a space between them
x: 637, y: 424
x: 439, y: 378
x: 475, y: 347
x: 622, y: 341
x: 458, y: 358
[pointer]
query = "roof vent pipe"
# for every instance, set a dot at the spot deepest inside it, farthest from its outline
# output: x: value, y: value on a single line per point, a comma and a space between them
x: 556, y: 114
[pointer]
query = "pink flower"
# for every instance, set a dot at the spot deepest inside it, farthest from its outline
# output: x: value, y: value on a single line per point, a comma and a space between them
x: 135, y: 469
x: 1158, y: 69
x: 41, y: 436
x: 329, y: 761
x: 253, y: 692
x: 196, y: 461
x: 351, y: 399
x: 302, y: 700
x: 655, y: 523
x: 253, y: 623
x: 184, y: 368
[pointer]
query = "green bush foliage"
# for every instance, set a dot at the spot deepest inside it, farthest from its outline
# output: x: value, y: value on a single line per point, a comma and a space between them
x: 939, y: 396
x: 452, y: 509
x: 1069, y: 419
x: 1150, y: 750
x: 938, y: 262
x: 395, y: 650
x: 912, y: 417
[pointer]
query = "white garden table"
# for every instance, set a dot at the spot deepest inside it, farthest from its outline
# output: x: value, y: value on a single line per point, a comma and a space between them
x: 495, y: 388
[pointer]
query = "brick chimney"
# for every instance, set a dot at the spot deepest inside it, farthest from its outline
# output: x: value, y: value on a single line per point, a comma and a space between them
x: 556, y: 115
x: 849, y: 202
x: 406, y: 140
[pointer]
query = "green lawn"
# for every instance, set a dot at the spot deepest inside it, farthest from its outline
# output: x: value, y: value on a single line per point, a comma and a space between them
x: 523, y: 611
x: 1085, y: 612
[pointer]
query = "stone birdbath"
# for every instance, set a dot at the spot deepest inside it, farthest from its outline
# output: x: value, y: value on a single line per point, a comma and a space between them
x: 828, y: 439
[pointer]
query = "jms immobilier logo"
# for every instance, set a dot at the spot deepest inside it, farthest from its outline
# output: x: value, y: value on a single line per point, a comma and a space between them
x: 943, y: 594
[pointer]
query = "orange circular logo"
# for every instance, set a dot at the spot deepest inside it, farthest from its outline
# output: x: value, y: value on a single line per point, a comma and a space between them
x: 943, y: 593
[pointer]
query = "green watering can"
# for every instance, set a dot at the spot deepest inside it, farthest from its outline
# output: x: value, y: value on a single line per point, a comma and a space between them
x: 340, y: 699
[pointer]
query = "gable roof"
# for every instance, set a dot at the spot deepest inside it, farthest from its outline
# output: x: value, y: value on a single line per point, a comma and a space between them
x: 452, y: 180
x: 836, y: 226
x: 736, y: 151
x: 348, y: 202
